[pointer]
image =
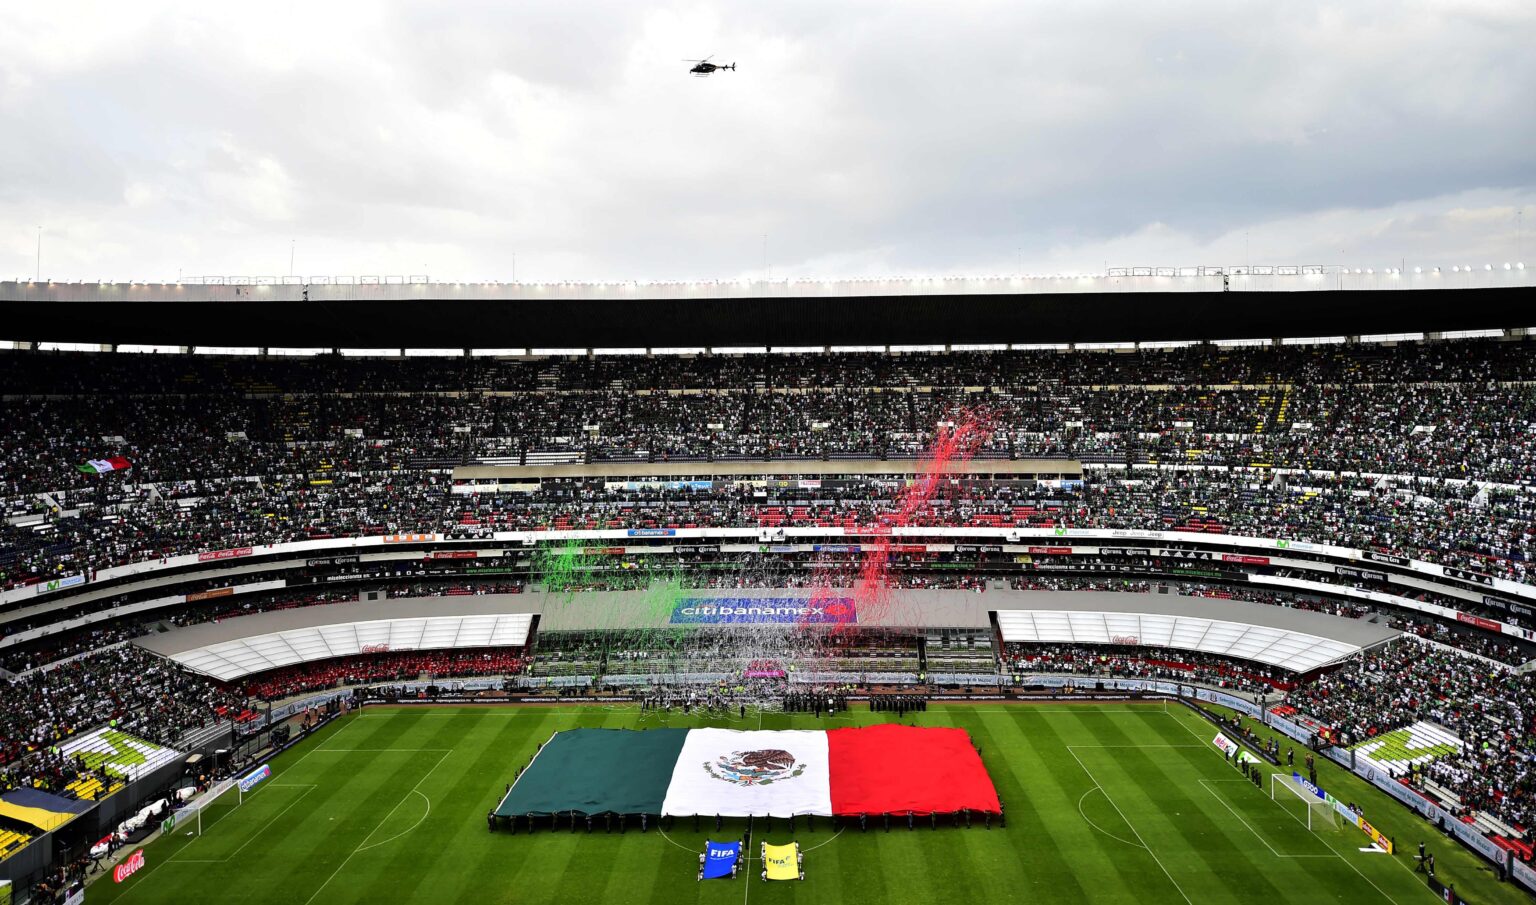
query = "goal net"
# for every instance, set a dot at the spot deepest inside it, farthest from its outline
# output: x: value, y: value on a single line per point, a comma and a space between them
x: 206, y: 810
x: 1302, y: 803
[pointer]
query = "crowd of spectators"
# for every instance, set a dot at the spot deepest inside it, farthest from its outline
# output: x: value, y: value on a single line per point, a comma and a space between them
x: 229, y: 452
x: 1365, y: 405
x: 1454, y: 524
x: 125, y: 687
x: 1122, y: 662
x: 1481, y: 643
x: 398, y: 666
x: 1491, y: 709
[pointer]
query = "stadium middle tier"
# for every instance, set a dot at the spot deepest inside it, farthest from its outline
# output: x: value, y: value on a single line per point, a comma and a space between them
x: 1293, y: 640
x: 1473, y: 610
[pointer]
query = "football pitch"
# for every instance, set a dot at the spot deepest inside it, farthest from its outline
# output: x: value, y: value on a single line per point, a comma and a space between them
x: 1111, y: 802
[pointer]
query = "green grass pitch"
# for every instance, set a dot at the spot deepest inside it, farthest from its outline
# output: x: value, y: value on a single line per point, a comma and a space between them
x: 1106, y: 802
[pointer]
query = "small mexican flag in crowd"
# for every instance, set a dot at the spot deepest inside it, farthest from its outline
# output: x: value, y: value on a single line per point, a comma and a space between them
x: 102, y: 466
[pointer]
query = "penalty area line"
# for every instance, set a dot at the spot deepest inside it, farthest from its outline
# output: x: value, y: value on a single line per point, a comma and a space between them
x: 1224, y: 803
x: 1134, y: 832
x: 307, y: 787
x: 362, y: 846
x: 1089, y: 820
x: 1174, y: 714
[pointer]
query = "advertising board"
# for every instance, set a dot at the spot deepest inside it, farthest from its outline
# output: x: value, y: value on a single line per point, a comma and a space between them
x: 764, y: 610
x: 249, y: 781
x: 128, y: 866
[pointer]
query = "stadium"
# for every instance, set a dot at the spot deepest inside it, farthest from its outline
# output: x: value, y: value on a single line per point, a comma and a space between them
x: 834, y: 453
x: 1152, y: 619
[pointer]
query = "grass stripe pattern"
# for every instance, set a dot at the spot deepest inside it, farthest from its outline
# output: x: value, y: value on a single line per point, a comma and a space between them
x: 1114, y: 803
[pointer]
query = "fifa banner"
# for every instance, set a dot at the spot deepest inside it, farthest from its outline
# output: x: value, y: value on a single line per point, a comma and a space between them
x: 249, y: 781
x: 781, y: 862
x: 884, y: 769
x: 720, y: 860
x: 1233, y: 749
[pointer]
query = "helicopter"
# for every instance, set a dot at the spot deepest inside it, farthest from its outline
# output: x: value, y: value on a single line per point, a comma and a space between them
x: 705, y: 67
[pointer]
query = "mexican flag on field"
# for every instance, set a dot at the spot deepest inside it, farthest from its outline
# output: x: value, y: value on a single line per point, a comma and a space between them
x: 884, y: 769
x: 102, y: 466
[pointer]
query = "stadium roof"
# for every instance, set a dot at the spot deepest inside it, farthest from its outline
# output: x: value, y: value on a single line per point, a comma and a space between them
x: 234, y: 648
x: 1290, y: 650
x: 239, y: 657
x: 549, y: 318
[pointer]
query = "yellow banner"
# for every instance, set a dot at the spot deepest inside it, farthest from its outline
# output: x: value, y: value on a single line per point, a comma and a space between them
x: 782, y: 862
x: 1382, y: 841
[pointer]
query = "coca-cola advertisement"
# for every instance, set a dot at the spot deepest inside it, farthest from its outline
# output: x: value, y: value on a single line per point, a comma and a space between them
x: 128, y: 866
x: 213, y: 555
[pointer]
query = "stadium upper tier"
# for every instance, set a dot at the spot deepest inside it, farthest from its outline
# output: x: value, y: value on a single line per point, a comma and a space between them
x: 1422, y: 449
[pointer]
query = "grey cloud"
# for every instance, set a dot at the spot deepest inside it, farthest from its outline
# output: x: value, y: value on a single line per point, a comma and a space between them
x: 867, y: 136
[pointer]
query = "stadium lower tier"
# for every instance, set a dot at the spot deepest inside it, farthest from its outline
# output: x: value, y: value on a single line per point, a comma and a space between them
x: 649, y: 644
x: 381, y: 668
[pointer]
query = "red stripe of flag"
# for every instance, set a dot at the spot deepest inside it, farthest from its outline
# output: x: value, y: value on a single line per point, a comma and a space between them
x: 892, y: 769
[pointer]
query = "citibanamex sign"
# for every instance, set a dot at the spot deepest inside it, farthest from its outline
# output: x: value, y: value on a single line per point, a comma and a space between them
x: 128, y: 867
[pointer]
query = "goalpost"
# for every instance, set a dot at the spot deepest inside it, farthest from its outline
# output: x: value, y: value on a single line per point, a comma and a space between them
x: 1319, y: 813
x: 216, y: 802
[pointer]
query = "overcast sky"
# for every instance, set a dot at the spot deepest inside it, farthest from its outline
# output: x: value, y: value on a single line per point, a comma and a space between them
x: 856, y: 139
